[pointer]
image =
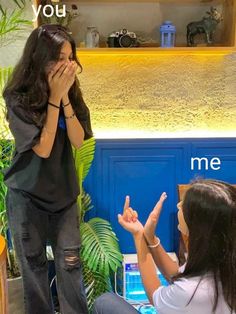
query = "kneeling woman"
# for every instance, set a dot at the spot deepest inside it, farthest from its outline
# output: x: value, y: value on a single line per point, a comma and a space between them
x: 207, y: 282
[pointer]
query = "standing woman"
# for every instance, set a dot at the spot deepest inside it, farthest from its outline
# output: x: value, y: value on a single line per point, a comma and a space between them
x: 46, y: 114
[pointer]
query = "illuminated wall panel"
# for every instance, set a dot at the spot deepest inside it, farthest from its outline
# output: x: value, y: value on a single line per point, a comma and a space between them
x: 154, y: 94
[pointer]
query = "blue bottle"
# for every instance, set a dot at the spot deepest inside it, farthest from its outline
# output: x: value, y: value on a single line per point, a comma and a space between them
x: 167, y: 32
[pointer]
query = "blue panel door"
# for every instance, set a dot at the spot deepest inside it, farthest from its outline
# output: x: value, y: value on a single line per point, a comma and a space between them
x: 143, y: 169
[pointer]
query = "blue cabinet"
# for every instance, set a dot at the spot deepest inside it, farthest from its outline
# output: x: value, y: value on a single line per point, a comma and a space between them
x: 143, y: 169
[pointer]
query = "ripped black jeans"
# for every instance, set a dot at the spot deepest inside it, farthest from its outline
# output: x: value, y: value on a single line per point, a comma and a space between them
x: 31, y: 228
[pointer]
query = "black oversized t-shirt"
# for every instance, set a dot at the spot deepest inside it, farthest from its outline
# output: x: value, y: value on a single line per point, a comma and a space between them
x: 51, y: 183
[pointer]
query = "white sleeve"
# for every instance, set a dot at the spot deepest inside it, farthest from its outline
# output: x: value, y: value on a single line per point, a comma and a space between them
x: 174, y: 298
x: 182, y: 268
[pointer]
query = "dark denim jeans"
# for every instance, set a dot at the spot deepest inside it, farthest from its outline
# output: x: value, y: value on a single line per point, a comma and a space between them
x: 109, y: 303
x: 31, y: 228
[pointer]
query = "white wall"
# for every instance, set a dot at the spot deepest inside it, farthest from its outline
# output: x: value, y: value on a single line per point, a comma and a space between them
x: 10, y: 54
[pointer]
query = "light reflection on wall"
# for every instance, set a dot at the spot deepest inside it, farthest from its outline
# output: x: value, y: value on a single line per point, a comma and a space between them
x: 148, y: 95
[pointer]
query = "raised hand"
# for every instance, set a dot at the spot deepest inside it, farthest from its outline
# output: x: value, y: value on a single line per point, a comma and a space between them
x: 129, y: 214
x: 60, y: 79
x: 151, y: 223
x: 129, y: 220
x: 70, y: 73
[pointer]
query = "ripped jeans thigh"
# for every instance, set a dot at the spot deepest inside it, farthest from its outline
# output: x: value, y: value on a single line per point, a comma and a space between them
x: 28, y: 229
x: 34, y: 247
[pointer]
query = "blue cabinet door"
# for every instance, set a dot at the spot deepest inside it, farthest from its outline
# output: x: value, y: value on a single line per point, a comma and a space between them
x: 143, y: 169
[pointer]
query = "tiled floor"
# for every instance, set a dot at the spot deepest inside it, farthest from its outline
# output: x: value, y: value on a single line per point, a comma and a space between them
x: 16, y: 301
x: 15, y: 297
x: 15, y: 293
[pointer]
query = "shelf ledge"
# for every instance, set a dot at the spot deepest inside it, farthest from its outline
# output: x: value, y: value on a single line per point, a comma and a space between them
x: 160, y: 51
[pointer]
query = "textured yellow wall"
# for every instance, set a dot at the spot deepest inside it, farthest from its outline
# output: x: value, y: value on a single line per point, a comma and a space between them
x: 149, y: 95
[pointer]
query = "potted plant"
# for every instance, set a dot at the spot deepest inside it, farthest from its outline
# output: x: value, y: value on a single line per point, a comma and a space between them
x: 6, y: 151
x: 100, y: 252
x: 12, y: 25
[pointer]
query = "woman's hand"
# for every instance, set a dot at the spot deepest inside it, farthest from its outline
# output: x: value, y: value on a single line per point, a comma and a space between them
x: 151, y: 223
x: 129, y: 220
x: 61, y: 79
x: 72, y: 67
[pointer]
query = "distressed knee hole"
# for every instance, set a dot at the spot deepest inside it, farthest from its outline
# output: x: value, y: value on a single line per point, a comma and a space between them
x: 72, y: 259
x: 37, y: 261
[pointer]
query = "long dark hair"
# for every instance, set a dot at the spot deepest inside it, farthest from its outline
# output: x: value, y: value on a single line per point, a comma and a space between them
x: 28, y: 85
x: 209, y: 209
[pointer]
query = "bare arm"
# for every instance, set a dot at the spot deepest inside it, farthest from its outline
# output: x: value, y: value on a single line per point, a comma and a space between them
x: 75, y: 131
x: 146, y: 267
x: 47, y: 137
x: 164, y: 262
x: 145, y: 261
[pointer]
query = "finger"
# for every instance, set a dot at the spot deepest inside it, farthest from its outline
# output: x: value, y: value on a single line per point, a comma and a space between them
x: 153, y: 216
x: 150, y: 225
x: 73, y: 69
x: 130, y: 215
x: 134, y: 216
x: 127, y: 215
x: 121, y: 221
x: 75, y: 66
x: 160, y: 202
x: 125, y: 224
x: 57, y: 66
x: 69, y: 71
x: 163, y: 197
x: 50, y: 75
x: 127, y: 201
x: 60, y: 70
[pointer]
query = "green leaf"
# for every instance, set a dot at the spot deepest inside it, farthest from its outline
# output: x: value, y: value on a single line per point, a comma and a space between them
x: 95, y: 284
x: 20, y: 3
x: 6, y: 152
x: 84, y: 158
x: 12, y: 23
x: 100, y: 249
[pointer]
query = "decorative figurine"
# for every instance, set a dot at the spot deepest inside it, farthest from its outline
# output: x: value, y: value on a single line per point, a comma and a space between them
x: 92, y: 37
x: 167, y: 30
x: 55, y: 12
x: 207, y: 25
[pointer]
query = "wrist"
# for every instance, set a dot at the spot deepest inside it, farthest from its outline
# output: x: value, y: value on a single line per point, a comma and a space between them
x: 154, y: 242
x: 65, y: 99
x: 138, y: 235
x: 55, y: 100
x: 150, y: 239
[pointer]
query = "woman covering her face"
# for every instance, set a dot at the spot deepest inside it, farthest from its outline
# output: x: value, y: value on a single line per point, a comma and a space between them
x: 207, y: 282
x: 46, y: 114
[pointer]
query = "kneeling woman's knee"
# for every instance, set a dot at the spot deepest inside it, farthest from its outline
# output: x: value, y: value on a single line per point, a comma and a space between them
x: 101, y: 302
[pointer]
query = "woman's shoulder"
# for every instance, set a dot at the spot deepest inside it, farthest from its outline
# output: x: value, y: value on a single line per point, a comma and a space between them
x: 190, y: 295
x: 14, y: 102
x: 16, y: 109
x: 189, y: 284
x: 180, y: 292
